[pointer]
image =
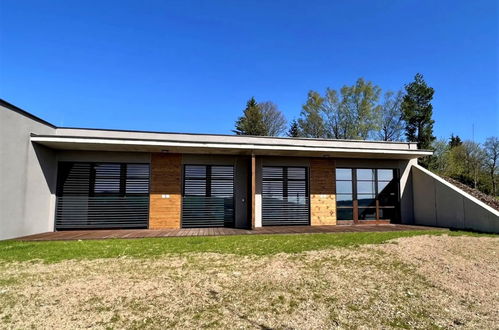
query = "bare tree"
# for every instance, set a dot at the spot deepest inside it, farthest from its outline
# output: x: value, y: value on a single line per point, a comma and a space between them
x: 391, y: 125
x: 491, y: 147
x: 273, y: 119
x: 473, y: 160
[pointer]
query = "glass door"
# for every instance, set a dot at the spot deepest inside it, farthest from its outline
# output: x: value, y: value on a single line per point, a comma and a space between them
x: 366, y: 195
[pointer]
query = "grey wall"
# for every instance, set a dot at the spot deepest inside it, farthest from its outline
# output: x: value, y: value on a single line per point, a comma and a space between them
x: 103, y: 156
x: 27, y: 177
x: 439, y: 203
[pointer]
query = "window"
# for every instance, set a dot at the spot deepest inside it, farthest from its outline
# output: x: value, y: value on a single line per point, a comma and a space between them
x: 102, y: 195
x: 344, y: 193
x: 208, y: 196
x: 120, y: 179
x: 107, y: 178
x: 366, y: 194
x: 285, y: 198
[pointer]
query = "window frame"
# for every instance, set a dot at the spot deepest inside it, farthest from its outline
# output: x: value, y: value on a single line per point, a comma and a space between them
x: 122, y: 179
x: 356, y: 208
x: 208, y: 178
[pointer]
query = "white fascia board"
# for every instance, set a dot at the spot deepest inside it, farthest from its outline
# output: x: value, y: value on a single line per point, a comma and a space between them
x: 230, y: 146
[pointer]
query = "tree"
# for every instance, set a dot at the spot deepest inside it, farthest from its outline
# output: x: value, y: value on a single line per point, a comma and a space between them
x: 351, y: 113
x: 311, y: 122
x: 417, y: 112
x: 439, y: 161
x: 359, y: 110
x: 455, y: 141
x: 466, y: 162
x: 294, y: 129
x: 392, y: 124
x: 491, y: 147
x: 335, y: 118
x: 251, y: 123
x: 273, y: 119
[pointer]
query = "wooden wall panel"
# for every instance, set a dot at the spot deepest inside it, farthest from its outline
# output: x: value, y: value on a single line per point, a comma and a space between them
x: 322, y: 192
x: 166, y: 181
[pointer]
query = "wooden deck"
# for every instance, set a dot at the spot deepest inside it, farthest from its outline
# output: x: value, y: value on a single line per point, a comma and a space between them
x: 149, y: 233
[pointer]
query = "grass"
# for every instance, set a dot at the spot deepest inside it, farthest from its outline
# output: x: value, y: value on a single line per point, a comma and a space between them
x: 55, y: 251
x: 253, y: 282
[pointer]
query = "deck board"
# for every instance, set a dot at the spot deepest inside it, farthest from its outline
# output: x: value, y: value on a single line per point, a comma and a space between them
x: 191, y: 232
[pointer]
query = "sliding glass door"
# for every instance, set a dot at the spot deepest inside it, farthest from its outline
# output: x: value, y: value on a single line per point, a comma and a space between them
x: 208, y: 198
x: 366, y: 195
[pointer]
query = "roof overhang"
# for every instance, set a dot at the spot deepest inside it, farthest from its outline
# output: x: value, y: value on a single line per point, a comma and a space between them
x: 296, y: 148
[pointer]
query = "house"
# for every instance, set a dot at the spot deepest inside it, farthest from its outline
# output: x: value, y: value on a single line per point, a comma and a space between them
x: 59, y: 178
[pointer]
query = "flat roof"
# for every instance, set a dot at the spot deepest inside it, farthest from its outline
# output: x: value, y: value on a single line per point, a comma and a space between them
x: 67, y: 138
x: 119, y: 140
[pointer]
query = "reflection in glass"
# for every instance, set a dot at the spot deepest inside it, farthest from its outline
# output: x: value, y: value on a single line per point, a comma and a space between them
x: 343, y: 174
x: 273, y: 189
x: 385, y: 175
x: 365, y: 174
x: 367, y: 213
x: 382, y: 185
x: 195, y: 188
x: 344, y: 200
x: 344, y: 214
x: 344, y: 187
x: 366, y: 200
x: 365, y: 187
x: 387, y: 213
x: 369, y: 190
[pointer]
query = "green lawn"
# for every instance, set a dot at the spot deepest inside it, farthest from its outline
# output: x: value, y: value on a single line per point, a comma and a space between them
x: 55, y: 251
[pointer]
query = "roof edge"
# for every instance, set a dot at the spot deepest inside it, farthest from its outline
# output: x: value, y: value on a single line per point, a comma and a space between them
x: 25, y: 113
x: 39, y: 138
x: 218, y: 134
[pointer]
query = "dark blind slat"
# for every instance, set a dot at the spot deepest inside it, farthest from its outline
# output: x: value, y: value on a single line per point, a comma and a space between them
x: 285, y: 198
x: 84, y: 200
x: 208, y: 199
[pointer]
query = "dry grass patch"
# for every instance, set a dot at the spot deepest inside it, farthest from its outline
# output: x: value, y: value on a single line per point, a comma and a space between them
x: 418, y: 282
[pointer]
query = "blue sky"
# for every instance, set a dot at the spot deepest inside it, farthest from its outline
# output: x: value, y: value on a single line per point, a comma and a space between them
x: 190, y: 66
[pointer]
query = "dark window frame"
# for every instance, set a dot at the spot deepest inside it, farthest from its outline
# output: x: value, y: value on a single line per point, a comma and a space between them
x: 285, y: 179
x: 355, y: 201
x: 208, y: 178
x: 122, y: 178
x: 93, y: 219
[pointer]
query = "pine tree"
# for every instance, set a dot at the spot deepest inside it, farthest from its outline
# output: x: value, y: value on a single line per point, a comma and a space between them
x: 251, y: 123
x: 417, y: 112
x: 455, y: 141
x: 294, y: 129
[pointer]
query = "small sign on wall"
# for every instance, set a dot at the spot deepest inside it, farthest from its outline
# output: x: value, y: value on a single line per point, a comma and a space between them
x: 165, y: 196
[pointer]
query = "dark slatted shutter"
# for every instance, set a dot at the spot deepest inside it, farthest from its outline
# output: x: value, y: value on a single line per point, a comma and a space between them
x: 102, y: 195
x: 208, y: 199
x: 285, y: 199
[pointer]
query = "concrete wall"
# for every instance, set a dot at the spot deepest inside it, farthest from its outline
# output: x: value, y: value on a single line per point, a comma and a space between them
x: 27, y: 176
x: 103, y: 156
x: 439, y: 203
